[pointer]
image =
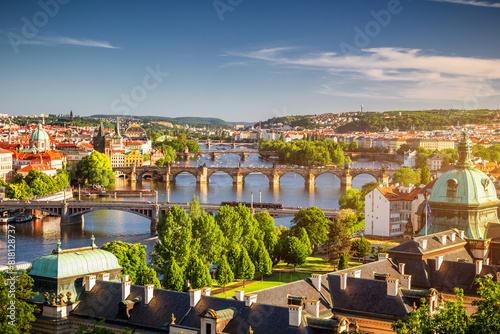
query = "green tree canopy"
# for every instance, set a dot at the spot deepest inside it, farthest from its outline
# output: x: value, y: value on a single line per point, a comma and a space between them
x: 197, y: 273
x: 352, y: 199
x: 95, y: 169
x: 294, y: 251
x: 425, y: 175
x: 21, y: 319
x: 304, y: 239
x: 267, y: 231
x: 245, y: 269
x: 361, y: 247
x: 132, y: 258
x: 344, y: 261
x: 315, y: 223
x: 263, y: 263
x: 405, y: 176
x: 173, y: 278
x: 339, y: 239
x: 223, y: 275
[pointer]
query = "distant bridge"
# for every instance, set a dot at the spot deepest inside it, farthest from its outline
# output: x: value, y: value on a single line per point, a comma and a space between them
x: 214, y: 154
x: 238, y: 174
x: 71, y: 212
x: 208, y: 143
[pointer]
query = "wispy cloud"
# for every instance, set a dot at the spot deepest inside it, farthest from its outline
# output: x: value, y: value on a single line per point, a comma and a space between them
x: 472, y: 3
x: 80, y: 42
x: 390, y: 73
x: 48, y: 40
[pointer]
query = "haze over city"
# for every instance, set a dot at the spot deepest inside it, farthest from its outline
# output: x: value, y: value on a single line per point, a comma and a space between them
x: 247, y: 60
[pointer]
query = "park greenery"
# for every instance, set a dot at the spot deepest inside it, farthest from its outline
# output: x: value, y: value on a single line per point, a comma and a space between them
x: 452, y: 317
x: 179, y: 144
x: 306, y: 152
x: 94, y: 169
x: 418, y: 120
x: 17, y: 299
x: 36, y: 184
x: 132, y: 258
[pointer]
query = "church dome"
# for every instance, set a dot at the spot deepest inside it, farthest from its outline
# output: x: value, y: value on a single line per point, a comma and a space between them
x: 464, y: 184
x: 39, y: 134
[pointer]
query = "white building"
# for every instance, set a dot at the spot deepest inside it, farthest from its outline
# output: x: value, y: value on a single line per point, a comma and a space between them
x: 410, y: 157
x: 388, y: 209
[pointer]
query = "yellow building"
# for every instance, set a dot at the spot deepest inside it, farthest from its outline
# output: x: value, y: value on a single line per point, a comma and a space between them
x: 133, y: 158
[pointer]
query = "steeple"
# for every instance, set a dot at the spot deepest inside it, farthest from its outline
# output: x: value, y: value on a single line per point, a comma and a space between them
x: 117, y: 128
x: 101, y: 133
x: 464, y: 151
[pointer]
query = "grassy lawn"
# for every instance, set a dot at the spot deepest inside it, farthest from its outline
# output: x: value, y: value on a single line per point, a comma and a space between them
x: 269, y: 282
x: 315, y: 262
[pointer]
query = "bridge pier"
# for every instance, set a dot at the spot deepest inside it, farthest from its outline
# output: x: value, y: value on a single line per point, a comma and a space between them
x: 310, y: 181
x: 238, y: 179
x: 74, y: 220
x: 213, y: 156
x: 274, y: 180
x: 345, y: 182
x: 243, y: 157
x: 201, y: 175
x: 155, y: 218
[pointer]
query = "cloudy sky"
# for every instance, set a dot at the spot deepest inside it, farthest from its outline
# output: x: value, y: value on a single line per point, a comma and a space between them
x: 247, y: 60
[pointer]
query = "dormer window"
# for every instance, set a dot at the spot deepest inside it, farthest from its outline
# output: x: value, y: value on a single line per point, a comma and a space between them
x: 485, y: 183
x: 451, y: 189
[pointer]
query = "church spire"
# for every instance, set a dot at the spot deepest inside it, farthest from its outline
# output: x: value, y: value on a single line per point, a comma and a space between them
x: 464, y: 151
x: 101, y: 133
x: 117, y: 127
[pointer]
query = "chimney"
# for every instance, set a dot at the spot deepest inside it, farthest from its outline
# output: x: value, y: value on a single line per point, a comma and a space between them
x: 498, y: 276
x: 452, y: 236
x: 461, y: 234
x: 392, y: 286
x: 103, y: 277
x: 382, y: 256
x: 312, y: 307
x: 239, y: 294
x: 479, y: 266
x: 89, y: 281
x: 250, y: 299
x: 406, y: 281
x: 294, y: 315
x: 316, y: 281
x: 402, y: 268
x: 343, y: 281
x: 486, y: 261
x: 439, y: 262
x: 356, y: 273
x: 206, y: 291
x: 148, y: 293
x: 442, y: 239
x: 194, y: 297
x: 125, y: 278
x: 126, y: 289
x: 423, y: 243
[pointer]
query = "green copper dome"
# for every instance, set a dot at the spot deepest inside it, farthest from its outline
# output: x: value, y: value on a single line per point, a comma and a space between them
x: 464, y: 184
x: 78, y: 262
x: 39, y: 134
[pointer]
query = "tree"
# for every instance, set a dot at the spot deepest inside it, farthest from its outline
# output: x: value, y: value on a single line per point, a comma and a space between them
x: 267, y: 231
x: 425, y: 175
x: 304, y: 239
x: 229, y: 222
x: 487, y: 317
x: 352, y: 199
x: 339, y: 239
x: 344, y: 261
x: 233, y: 256
x: 405, y: 176
x: 294, y: 251
x: 16, y: 314
x: 245, y: 269
x: 361, y: 247
x: 174, y: 238
x: 173, y: 278
x: 368, y: 187
x: 194, y: 208
x: 95, y: 169
x: 96, y: 329
x: 263, y: 263
x: 223, y: 273
x: 132, y: 258
x: 209, y: 237
x: 402, y: 149
x: 197, y: 274
x: 315, y: 223
x: 146, y: 157
x: 169, y: 154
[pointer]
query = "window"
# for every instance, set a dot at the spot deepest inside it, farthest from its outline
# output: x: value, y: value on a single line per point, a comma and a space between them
x: 208, y: 328
x: 451, y: 190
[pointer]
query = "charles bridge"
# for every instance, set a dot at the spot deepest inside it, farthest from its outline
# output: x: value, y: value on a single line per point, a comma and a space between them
x: 238, y: 174
x: 214, y: 154
x: 208, y: 143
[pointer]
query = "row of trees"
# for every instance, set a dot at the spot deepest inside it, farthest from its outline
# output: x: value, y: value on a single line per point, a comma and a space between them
x: 36, y: 184
x: 306, y: 152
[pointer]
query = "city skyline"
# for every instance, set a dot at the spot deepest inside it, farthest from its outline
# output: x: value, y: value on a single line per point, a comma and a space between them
x: 247, y: 61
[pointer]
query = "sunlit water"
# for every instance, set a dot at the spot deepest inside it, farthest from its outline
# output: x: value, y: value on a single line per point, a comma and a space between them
x: 40, y: 237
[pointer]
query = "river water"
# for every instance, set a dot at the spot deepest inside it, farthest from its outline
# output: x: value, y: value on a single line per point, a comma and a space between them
x: 39, y: 238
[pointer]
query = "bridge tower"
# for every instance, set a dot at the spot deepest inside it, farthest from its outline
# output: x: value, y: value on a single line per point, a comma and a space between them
x: 346, y: 179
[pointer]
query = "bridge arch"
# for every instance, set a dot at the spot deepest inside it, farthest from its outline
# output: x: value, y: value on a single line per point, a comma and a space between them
x: 142, y: 212
x: 153, y: 173
x: 255, y: 173
x: 375, y: 177
x: 291, y: 172
x: 226, y: 173
x: 182, y: 172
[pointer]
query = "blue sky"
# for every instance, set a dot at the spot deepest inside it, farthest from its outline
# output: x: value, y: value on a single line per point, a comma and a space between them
x: 243, y: 60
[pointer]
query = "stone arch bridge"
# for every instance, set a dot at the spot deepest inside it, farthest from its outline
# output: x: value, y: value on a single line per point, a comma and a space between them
x: 238, y: 174
x: 214, y: 154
